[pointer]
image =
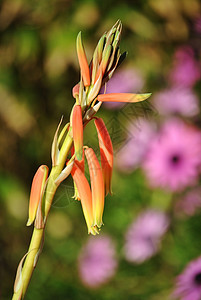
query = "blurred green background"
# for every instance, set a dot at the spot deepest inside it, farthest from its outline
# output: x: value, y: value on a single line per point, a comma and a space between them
x: 38, y: 68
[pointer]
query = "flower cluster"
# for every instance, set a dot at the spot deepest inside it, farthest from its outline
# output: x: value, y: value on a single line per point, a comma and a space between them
x: 105, y: 60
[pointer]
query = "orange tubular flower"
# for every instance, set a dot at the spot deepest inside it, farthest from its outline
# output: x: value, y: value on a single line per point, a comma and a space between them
x: 123, y: 97
x: 106, y: 151
x: 97, y: 187
x: 83, y: 61
x: 77, y: 125
x: 80, y: 164
x: 37, y: 190
x: 86, y: 197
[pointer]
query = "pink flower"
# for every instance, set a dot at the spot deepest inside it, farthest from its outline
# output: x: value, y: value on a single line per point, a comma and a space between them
x: 188, y: 284
x: 97, y: 262
x: 177, y: 101
x: 186, y: 70
x: 174, y: 156
x: 144, y: 235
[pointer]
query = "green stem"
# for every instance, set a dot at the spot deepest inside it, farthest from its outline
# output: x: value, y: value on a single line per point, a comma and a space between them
x: 37, y: 236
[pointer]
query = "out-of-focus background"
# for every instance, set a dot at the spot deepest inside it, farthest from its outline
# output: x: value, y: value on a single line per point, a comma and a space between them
x: 153, y: 220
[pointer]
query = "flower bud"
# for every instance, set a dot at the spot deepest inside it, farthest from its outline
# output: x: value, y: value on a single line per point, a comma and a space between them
x: 106, y: 152
x: 77, y: 125
x: 83, y: 61
x: 37, y: 190
x: 97, y: 186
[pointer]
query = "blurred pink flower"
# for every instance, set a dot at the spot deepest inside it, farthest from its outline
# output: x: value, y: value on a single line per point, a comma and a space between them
x: 186, y: 70
x: 174, y: 156
x: 124, y: 81
x: 190, y: 202
x: 97, y: 261
x: 177, y: 101
x: 188, y: 284
x: 143, y: 238
x: 140, y: 133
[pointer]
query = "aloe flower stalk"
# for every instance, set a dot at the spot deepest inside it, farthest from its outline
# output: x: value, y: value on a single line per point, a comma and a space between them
x: 105, y: 60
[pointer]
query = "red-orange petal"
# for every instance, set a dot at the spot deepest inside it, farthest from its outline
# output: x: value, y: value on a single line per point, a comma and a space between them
x: 37, y: 190
x: 106, y: 151
x: 83, y: 61
x: 97, y: 187
x: 86, y: 197
x: 77, y: 125
x: 123, y: 97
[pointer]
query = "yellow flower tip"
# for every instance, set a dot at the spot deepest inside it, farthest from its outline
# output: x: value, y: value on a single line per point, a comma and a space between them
x: 77, y: 125
x: 106, y: 152
x: 123, y: 97
x: 76, y: 195
x: 29, y: 222
x: 99, y: 224
x: 97, y: 186
x: 37, y: 190
x: 84, y: 67
x: 94, y: 230
x: 146, y: 95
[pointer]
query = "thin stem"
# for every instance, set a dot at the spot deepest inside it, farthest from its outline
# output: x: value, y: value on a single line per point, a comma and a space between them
x: 38, y: 234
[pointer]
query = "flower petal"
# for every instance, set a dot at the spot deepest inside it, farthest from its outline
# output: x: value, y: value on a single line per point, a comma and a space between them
x: 80, y: 164
x: 97, y: 186
x: 86, y: 197
x: 106, y: 152
x: 37, y: 190
x: 77, y: 125
x: 123, y: 97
